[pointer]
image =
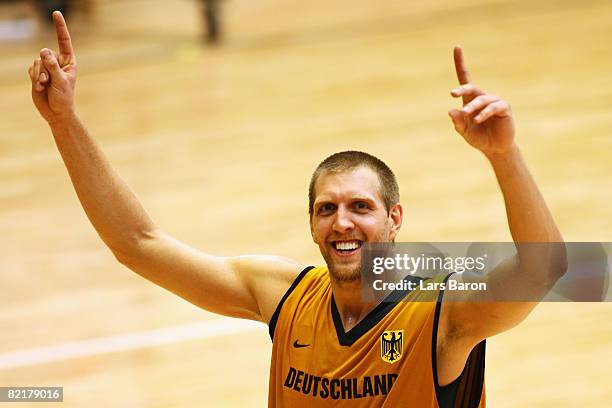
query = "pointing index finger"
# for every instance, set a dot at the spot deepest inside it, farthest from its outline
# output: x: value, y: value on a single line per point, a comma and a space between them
x: 63, y: 36
x: 462, y: 73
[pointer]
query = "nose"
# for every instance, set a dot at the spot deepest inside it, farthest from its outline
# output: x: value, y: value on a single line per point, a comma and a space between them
x: 342, y: 221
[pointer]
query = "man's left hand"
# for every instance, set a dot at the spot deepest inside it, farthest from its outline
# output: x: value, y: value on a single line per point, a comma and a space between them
x: 485, y: 121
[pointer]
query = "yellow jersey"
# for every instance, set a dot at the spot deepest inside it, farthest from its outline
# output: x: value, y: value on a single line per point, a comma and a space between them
x: 387, y: 360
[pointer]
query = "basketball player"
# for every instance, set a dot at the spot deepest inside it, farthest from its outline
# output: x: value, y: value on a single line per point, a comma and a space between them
x: 330, y: 348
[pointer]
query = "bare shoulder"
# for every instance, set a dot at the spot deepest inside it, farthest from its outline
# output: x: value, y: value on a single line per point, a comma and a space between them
x: 268, y: 277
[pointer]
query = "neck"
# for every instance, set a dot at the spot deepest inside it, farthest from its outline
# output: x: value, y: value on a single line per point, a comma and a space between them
x: 351, y: 307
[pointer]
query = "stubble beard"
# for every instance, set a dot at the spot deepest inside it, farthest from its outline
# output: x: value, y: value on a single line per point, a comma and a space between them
x: 353, y: 274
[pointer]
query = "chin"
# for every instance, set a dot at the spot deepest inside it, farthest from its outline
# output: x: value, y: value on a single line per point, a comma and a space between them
x: 345, y: 273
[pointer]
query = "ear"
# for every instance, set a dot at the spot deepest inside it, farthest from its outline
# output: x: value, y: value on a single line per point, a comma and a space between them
x: 396, y: 215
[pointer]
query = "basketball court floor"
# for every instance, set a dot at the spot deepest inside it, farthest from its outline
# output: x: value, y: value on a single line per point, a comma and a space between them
x: 219, y: 144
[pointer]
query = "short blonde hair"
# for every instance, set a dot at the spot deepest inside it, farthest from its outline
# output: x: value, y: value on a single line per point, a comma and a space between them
x: 350, y: 160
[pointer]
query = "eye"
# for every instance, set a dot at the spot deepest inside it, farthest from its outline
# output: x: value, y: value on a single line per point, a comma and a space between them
x: 326, y: 208
x: 361, y: 205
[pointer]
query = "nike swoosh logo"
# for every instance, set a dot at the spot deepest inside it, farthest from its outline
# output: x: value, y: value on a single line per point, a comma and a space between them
x: 298, y: 345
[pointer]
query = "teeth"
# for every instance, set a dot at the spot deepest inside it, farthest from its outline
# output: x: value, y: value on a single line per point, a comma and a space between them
x: 347, y: 246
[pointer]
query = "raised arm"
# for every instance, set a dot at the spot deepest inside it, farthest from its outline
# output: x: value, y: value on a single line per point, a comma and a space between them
x: 485, y: 122
x: 247, y: 287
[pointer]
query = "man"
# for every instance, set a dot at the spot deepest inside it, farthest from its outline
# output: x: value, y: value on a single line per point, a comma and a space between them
x: 331, y: 347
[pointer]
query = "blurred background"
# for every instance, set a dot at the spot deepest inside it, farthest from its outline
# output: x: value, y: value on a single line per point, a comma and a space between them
x: 218, y: 135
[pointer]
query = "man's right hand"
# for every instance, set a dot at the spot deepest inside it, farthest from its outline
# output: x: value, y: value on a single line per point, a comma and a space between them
x: 53, y: 76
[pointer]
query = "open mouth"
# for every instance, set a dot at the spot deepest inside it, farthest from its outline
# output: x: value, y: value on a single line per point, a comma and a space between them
x: 344, y: 248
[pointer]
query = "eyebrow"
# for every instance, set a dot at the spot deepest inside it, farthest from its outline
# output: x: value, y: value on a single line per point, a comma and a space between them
x: 327, y: 200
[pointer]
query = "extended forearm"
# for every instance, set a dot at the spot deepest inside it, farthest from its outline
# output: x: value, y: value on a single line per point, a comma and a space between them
x: 528, y: 215
x: 110, y: 205
x: 539, y: 243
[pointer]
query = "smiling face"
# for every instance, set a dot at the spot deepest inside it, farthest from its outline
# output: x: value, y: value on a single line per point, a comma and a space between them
x: 348, y: 211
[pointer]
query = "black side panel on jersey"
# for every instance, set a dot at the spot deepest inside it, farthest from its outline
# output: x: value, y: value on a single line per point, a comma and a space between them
x: 471, y: 380
x: 466, y: 390
x: 274, y: 318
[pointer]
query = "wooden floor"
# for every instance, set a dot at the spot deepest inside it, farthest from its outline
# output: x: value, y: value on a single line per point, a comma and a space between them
x: 219, y: 145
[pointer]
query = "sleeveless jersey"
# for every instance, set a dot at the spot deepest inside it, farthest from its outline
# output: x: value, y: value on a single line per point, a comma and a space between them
x: 387, y: 360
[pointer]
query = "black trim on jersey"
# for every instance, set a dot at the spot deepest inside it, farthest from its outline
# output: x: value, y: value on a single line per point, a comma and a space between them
x: 466, y: 390
x: 372, y: 319
x: 274, y: 319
